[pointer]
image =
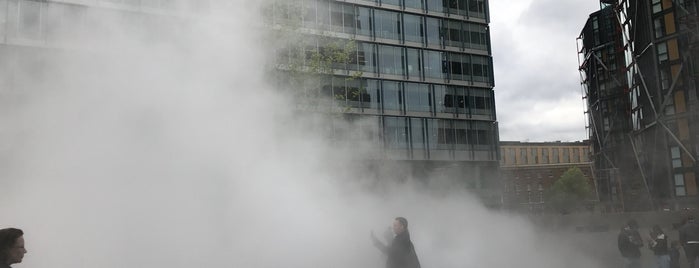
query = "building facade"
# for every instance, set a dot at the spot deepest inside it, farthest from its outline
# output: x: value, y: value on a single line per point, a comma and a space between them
x: 660, y: 108
x: 529, y: 169
x: 419, y: 72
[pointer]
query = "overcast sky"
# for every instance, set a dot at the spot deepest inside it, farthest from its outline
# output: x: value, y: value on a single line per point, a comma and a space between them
x: 537, y: 83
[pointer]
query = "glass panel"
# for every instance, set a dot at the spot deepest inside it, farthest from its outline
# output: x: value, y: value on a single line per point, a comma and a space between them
x: 417, y: 133
x: 679, y: 179
x: 461, y: 99
x: 478, y: 36
x: 675, y: 152
x: 414, y: 63
x: 342, y: 18
x: 435, y: 5
x: 444, y: 99
x: 434, y: 31
x: 30, y: 19
x: 455, y: 68
x: 392, y: 97
x: 391, y: 2
x: 363, y: 21
x: 371, y: 97
x: 680, y: 191
x: 395, y: 132
x: 417, y: 97
x: 309, y: 13
x: 441, y: 134
x: 413, y: 28
x: 481, y: 69
x: 482, y: 101
x: 417, y: 4
x: 461, y: 134
x: 366, y: 57
x: 323, y: 14
x: 391, y: 60
x: 387, y: 24
x: 476, y: 8
x: 3, y: 17
x: 355, y: 92
x: 453, y: 33
x: 433, y: 64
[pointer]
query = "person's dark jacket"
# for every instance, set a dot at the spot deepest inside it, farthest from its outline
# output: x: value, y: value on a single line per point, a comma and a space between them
x: 689, y: 232
x: 660, y: 245
x: 629, y: 243
x: 401, y: 252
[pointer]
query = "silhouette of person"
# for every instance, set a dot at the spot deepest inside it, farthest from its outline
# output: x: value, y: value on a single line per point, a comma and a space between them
x: 401, y: 251
x: 11, y: 247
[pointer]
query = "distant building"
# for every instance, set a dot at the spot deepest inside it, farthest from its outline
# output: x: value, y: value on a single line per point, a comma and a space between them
x: 528, y: 169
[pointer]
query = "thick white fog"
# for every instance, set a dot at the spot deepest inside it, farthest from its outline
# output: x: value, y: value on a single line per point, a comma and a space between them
x: 166, y: 146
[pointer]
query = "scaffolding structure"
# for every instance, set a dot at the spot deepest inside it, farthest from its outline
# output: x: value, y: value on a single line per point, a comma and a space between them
x: 635, y: 155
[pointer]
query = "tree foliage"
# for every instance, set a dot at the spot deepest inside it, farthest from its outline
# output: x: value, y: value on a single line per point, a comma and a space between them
x: 569, y: 192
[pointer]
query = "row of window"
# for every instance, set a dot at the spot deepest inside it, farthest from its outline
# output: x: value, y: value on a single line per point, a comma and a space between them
x: 545, y: 156
x: 421, y: 133
x: 392, y: 96
x: 410, y: 63
x: 387, y: 24
x: 471, y: 8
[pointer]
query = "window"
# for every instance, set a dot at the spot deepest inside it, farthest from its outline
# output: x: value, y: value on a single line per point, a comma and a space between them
x: 416, y: 4
x: 476, y: 8
x: 434, y: 31
x: 533, y: 156
x: 363, y: 21
x: 417, y: 134
x: 659, y: 26
x: 441, y: 134
x: 545, y: 156
x: 434, y: 64
x: 657, y: 6
x: 576, y: 155
x: 342, y: 18
x: 680, y: 189
x: 481, y: 101
x: 391, y: 60
x: 476, y: 36
x: 555, y: 159
x: 662, y: 52
x: 395, y: 132
x: 456, y: 68
x: 414, y: 28
x: 391, y: 2
x: 417, y: 97
x: 414, y: 63
x: 523, y: 156
x: 29, y: 25
x: 481, y: 69
x: 676, y: 157
x: 435, y: 5
x: 444, y: 99
x: 371, y: 94
x: 387, y: 24
x: 392, y: 97
x: 453, y: 33
x: 3, y: 17
x: 366, y: 57
x: 566, y: 155
x: 461, y: 133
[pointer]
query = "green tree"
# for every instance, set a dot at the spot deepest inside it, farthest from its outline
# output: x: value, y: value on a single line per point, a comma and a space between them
x: 569, y: 192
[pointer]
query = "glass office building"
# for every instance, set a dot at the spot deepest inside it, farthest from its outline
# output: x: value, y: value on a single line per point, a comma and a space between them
x: 424, y: 79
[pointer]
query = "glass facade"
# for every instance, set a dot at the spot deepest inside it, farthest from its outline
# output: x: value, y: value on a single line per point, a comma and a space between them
x: 421, y: 72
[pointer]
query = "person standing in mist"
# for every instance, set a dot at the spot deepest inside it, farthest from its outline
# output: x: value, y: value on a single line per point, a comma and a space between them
x: 11, y: 247
x: 630, y: 243
x: 689, y: 238
x: 401, y: 252
x: 658, y: 244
